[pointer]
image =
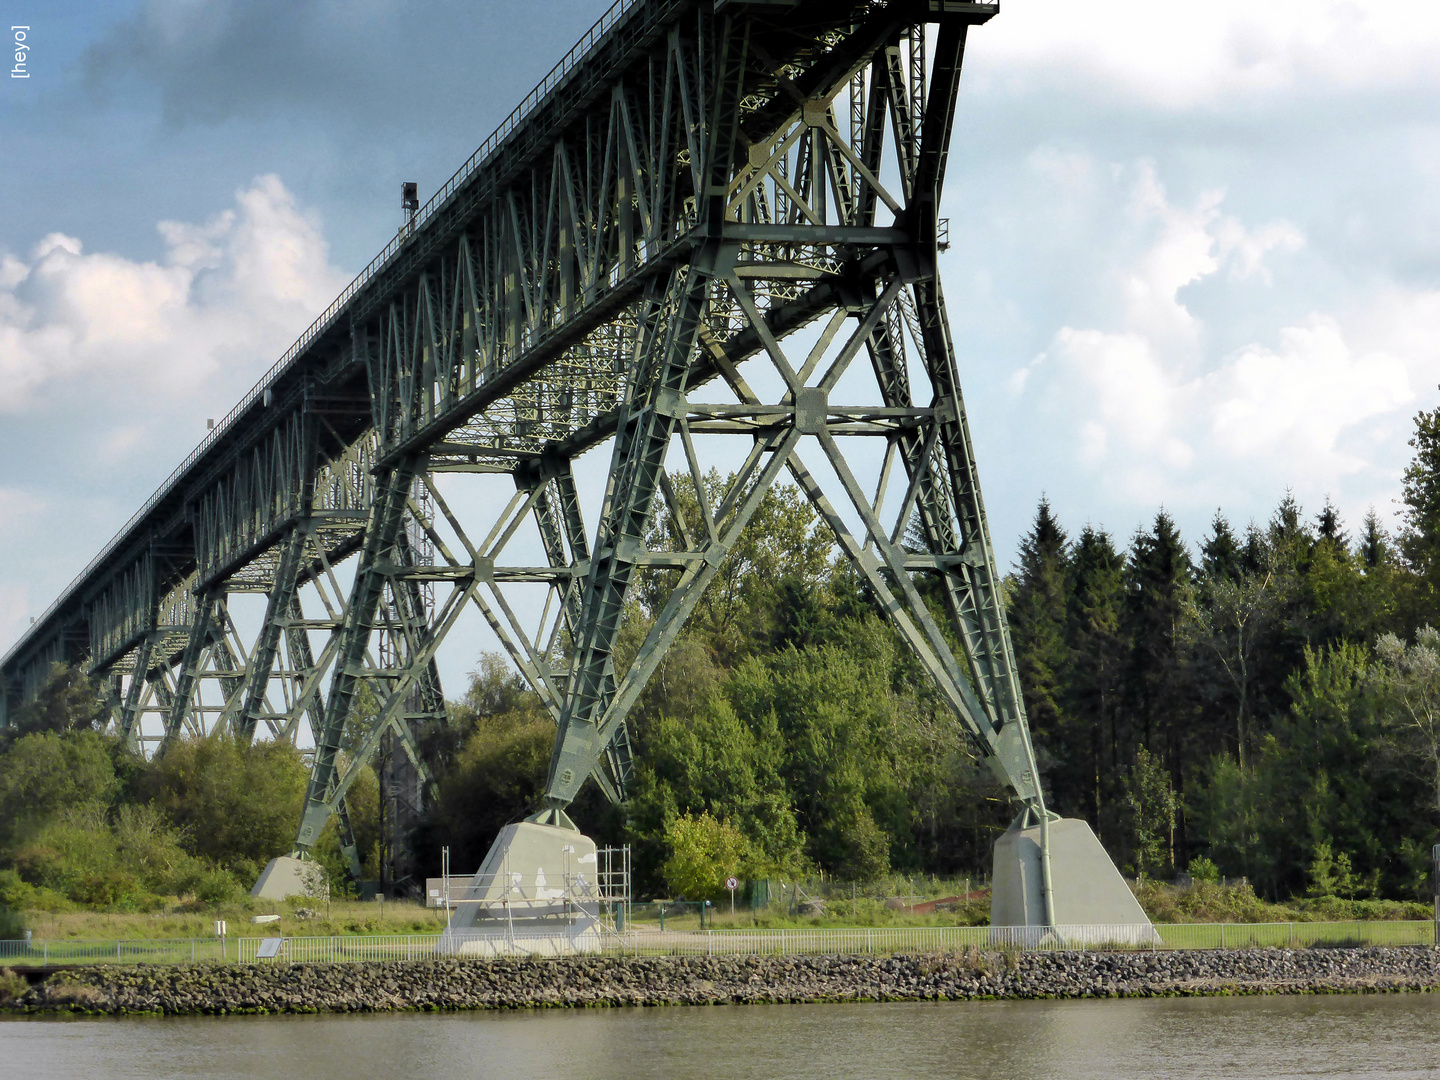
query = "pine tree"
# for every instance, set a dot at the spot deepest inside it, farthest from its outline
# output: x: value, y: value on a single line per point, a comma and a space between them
x: 1098, y: 654
x: 1037, y: 625
x: 1288, y: 538
x: 1159, y: 582
x: 1420, y: 534
x: 1329, y: 526
x: 1220, y: 555
x: 1255, y: 557
x: 1375, y: 547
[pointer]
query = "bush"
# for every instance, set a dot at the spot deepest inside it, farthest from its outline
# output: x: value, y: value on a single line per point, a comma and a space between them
x: 12, y: 985
x: 1202, y: 869
x: 106, y: 888
x: 15, y: 892
x: 126, y: 863
x: 217, y: 887
x: 45, y: 774
x: 231, y: 804
x: 12, y: 927
x: 703, y: 853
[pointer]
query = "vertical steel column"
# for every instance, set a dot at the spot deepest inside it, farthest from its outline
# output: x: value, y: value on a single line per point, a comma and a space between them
x: 127, y: 727
x: 190, y: 662
x: 277, y: 613
x: 392, y: 489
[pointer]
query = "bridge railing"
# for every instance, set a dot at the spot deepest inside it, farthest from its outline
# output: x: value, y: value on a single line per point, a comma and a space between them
x: 322, y: 323
x: 647, y: 942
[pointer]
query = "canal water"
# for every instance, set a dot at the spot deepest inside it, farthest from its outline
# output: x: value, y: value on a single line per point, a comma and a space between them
x: 1393, y: 1036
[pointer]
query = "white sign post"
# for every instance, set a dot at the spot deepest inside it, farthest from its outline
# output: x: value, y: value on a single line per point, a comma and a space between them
x: 732, y: 883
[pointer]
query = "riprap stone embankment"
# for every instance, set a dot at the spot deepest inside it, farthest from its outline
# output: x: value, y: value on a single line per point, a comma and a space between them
x: 617, y: 981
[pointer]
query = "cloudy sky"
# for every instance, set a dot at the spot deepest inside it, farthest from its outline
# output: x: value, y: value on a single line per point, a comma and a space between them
x: 1195, y: 249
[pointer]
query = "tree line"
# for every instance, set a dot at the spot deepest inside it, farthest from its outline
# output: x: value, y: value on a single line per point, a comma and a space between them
x: 1266, y: 703
x: 1263, y: 702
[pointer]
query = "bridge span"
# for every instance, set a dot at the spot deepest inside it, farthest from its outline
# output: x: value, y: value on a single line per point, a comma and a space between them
x: 710, y: 234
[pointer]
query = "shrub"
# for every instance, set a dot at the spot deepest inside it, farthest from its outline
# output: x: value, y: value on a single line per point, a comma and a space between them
x: 1202, y: 869
x: 12, y: 927
x: 217, y: 887
x: 231, y: 804
x: 703, y: 853
x: 12, y: 984
x: 15, y: 893
x: 106, y: 888
x: 45, y: 773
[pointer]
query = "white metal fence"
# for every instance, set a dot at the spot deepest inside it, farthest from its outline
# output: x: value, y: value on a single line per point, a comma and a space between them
x: 877, y: 940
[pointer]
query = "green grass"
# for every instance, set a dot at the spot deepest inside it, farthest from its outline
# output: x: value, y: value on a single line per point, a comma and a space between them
x: 1165, y: 904
x: 338, y: 918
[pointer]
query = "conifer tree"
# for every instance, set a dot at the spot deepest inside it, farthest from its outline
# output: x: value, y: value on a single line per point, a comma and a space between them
x: 1098, y: 654
x: 1375, y: 547
x: 1289, y: 538
x: 1221, y: 555
x: 1037, y: 624
x: 1159, y: 581
x: 1329, y: 526
x: 1255, y: 556
x: 1420, y: 533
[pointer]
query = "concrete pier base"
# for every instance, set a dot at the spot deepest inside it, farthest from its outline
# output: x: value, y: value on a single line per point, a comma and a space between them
x: 535, y: 893
x: 1091, y: 899
x: 286, y: 876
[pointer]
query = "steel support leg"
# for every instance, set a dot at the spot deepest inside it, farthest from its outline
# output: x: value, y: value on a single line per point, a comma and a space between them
x: 392, y: 488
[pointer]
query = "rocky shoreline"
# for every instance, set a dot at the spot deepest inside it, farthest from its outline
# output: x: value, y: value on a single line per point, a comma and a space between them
x: 587, y: 982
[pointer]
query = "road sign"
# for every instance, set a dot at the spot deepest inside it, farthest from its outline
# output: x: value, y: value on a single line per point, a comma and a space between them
x: 732, y: 883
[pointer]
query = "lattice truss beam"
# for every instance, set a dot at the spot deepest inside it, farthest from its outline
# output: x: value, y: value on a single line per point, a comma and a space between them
x: 731, y: 263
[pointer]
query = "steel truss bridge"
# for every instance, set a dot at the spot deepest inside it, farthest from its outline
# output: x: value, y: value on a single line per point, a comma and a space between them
x: 709, y: 237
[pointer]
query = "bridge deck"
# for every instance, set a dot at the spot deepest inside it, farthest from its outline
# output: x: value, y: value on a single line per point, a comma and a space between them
x: 316, y: 350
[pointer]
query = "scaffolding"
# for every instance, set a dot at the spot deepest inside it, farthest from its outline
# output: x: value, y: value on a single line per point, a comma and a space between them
x: 583, y: 905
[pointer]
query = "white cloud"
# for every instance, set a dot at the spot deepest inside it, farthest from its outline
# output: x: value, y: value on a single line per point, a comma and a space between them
x: 229, y: 294
x: 111, y: 365
x: 1155, y: 414
x: 1181, y: 56
x: 1295, y: 403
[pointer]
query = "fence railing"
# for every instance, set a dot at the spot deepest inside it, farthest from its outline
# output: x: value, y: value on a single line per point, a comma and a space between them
x: 875, y: 940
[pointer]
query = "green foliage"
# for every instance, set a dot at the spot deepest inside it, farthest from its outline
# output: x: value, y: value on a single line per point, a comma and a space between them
x: 703, y: 852
x: 496, y: 778
x: 1038, y: 613
x: 1406, y: 681
x: 1203, y: 870
x: 1420, y: 539
x: 235, y: 806
x: 68, y: 702
x: 44, y: 773
x: 1331, y: 875
x: 784, y: 551
x: 1151, y: 805
x: 12, y: 983
x: 128, y: 861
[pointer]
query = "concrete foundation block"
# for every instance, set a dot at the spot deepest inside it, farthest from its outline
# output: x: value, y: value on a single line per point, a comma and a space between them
x: 286, y: 876
x: 534, y: 893
x: 1091, y: 899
